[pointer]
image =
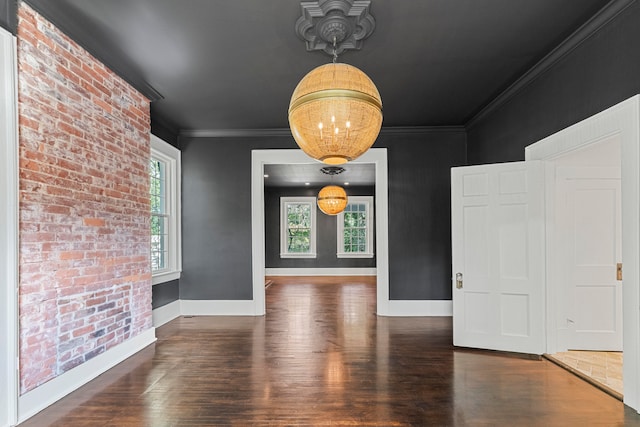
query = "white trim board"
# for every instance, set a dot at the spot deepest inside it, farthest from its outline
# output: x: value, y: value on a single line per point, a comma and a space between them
x: 218, y: 307
x: 622, y: 120
x: 376, y: 156
x: 50, y: 392
x: 320, y: 271
x: 166, y: 313
x: 175, y: 309
x: 421, y: 308
x: 8, y: 229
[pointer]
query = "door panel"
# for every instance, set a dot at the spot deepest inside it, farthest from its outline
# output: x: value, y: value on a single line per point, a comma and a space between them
x: 515, y: 315
x: 513, y: 242
x: 476, y: 252
x: 498, y: 247
x: 476, y: 312
x: 591, y: 246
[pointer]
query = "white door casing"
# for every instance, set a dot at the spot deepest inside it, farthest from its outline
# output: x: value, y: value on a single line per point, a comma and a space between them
x: 588, y: 217
x: 376, y: 156
x: 620, y: 121
x: 8, y: 230
x: 498, y: 248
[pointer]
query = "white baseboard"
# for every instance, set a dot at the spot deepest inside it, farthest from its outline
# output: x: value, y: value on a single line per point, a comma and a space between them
x: 320, y: 271
x: 48, y: 393
x: 179, y: 308
x: 166, y: 313
x: 411, y: 308
x: 175, y: 309
x: 217, y: 308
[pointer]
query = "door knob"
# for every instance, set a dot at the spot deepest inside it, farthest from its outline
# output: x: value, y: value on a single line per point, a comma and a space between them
x: 459, y: 280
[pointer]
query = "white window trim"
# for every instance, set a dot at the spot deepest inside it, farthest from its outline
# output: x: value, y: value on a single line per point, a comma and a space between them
x: 368, y: 200
x: 172, y: 158
x: 283, y: 226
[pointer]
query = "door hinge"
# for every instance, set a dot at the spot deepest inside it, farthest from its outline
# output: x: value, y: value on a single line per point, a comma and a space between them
x: 619, y: 271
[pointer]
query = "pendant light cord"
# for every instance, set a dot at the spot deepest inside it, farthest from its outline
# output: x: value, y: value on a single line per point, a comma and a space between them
x: 335, y: 51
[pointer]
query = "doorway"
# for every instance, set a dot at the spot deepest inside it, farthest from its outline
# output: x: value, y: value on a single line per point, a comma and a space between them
x: 292, y: 249
x: 584, y: 274
x: 375, y: 156
x: 620, y: 121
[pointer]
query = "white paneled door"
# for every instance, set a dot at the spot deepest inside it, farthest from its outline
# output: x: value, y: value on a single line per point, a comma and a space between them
x: 498, y: 257
x: 589, y: 219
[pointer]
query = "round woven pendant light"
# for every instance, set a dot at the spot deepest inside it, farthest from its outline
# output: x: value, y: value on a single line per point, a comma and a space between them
x: 335, y: 113
x: 332, y: 199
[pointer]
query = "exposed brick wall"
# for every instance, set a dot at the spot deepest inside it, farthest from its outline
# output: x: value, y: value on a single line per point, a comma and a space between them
x: 85, y: 278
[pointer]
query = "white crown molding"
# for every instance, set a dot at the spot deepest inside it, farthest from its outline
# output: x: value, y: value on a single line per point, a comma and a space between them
x: 588, y: 29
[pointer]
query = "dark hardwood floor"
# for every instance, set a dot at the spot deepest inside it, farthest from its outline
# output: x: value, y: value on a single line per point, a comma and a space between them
x: 321, y: 357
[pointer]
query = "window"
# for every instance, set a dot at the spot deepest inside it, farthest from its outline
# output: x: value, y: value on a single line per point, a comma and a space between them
x: 355, y: 228
x: 297, y: 227
x: 159, y: 216
x: 164, y: 174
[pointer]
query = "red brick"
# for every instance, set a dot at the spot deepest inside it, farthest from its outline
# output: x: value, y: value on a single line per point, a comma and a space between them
x: 93, y: 222
x: 68, y: 74
x: 83, y: 204
x: 83, y: 331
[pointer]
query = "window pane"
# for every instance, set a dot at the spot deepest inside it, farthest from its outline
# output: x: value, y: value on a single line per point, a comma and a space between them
x: 157, y: 188
x: 299, y: 241
x: 355, y: 228
x: 159, y: 243
x: 299, y: 227
x: 159, y: 220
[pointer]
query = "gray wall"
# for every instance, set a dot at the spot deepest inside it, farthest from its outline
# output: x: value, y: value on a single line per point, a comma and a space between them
x: 326, y: 232
x: 599, y: 73
x: 420, y: 212
x: 165, y: 132
x: 165, y: 293
x: 216, y: 216
x: 9, y: 15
